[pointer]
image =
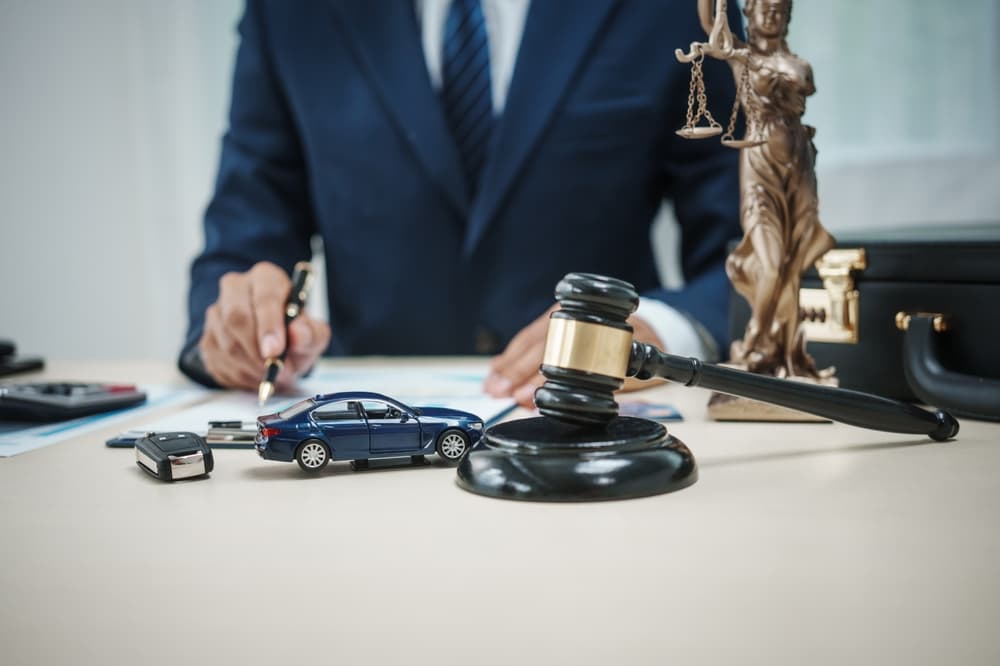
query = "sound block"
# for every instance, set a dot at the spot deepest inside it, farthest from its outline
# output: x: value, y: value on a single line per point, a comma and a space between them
x: 544, y: 460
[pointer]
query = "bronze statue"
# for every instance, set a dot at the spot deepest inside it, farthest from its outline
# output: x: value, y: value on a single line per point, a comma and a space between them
x: 779, y: 209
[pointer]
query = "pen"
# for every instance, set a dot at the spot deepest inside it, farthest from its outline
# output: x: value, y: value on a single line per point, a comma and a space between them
x: 301, y: 281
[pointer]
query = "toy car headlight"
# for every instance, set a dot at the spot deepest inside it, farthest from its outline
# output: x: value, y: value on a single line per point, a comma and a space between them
x: 476, y: 425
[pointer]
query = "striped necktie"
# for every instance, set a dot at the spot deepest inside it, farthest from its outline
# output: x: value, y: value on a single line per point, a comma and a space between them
x: 466, y: 92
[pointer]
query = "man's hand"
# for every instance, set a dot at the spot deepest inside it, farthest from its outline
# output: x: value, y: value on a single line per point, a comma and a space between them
x: 515, y: 371
x: 246, y: 326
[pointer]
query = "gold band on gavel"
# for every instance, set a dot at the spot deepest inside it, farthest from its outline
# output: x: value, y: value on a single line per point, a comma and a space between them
x: 580, y: 345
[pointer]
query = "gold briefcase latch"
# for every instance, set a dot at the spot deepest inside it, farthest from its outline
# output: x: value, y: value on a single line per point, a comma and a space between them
x: 830, y: 314
x: 939, y: 322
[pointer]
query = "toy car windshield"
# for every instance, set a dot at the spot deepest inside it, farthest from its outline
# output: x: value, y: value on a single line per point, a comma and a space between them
x: 297, y: 408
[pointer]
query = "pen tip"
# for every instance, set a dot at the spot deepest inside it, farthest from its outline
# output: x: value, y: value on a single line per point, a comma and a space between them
x: 264, y: 392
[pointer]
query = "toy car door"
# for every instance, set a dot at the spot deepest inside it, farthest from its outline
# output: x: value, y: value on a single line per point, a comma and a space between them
x: 344, y: 429
x: 392, y: 430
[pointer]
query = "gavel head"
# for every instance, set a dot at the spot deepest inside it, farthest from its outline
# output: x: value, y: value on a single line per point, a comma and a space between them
x: 587, y: 349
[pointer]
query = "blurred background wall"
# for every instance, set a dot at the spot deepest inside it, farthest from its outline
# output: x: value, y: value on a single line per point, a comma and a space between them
x: 111, y: 114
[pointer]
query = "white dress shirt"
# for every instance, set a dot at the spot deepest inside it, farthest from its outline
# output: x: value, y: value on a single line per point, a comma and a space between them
x: 504, y: 28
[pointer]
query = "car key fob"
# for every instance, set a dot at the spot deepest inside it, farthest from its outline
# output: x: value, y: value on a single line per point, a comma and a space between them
x: 173, y: 455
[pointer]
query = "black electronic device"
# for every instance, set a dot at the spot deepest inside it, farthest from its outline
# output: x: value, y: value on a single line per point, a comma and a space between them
x: 11, y: 363
x: 61, y: 401
x: 170, y: 456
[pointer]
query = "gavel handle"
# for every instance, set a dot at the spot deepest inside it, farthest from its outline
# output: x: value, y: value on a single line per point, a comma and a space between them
x: 843, y: 405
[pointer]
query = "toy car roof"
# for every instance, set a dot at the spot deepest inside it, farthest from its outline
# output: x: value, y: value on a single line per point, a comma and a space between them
x: 354, y: 395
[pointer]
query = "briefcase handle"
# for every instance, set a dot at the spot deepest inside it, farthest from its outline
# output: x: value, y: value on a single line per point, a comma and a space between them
x: 965, y: 395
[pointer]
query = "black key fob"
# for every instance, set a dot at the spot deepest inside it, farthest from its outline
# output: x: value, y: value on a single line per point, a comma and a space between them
x: 173, y: 455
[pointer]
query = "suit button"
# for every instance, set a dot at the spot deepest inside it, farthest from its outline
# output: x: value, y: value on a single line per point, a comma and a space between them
x: 486, y: 341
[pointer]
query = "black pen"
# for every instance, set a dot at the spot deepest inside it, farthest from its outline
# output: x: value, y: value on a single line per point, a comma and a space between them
x: 301, y: 281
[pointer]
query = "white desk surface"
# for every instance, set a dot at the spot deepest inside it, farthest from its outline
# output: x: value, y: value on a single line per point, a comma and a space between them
x: 799, y: 544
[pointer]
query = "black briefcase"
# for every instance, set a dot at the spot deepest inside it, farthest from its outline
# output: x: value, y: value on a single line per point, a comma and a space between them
x: 908, y: 314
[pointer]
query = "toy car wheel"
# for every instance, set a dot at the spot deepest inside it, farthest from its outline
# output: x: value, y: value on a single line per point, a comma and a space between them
x: 452, y: 445
x: 312, y: 455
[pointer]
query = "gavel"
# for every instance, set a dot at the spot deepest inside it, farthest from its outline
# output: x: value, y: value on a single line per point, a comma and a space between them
x: 581, y: 449
x: 589, y: 352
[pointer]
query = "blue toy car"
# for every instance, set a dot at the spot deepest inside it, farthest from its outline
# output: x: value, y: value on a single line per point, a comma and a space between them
x: 360, y: 425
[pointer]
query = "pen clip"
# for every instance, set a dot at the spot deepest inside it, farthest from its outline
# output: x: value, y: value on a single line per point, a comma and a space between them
x: 302, y: 278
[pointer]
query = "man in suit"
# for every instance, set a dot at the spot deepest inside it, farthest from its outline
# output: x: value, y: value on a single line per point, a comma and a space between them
x: 457, y: 157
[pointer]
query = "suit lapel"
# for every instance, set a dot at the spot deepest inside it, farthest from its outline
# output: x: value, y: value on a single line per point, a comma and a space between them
x: 386, y: 39
x: 554, y: 45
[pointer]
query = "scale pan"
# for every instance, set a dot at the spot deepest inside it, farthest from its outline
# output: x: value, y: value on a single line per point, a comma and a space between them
x: 699, y: 132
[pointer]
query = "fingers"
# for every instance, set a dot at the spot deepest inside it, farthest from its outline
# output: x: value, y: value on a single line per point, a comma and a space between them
x: 235, y: 328
x: 525, y: 394
x: 246, y: 326
x: 515, y: 371
x: 522, y: 370
x: 224, y: 360
x: 308, y: 339
x: 268, y: 288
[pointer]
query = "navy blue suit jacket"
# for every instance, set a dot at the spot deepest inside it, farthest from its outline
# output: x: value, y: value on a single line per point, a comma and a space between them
x: 335, y: 130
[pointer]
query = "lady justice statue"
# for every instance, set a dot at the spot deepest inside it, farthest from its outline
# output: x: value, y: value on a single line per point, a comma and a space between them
x: 779, y: 209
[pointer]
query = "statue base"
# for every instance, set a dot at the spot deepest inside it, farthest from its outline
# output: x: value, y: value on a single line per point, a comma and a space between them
x: 724, y: 407
x: 544, y: 460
